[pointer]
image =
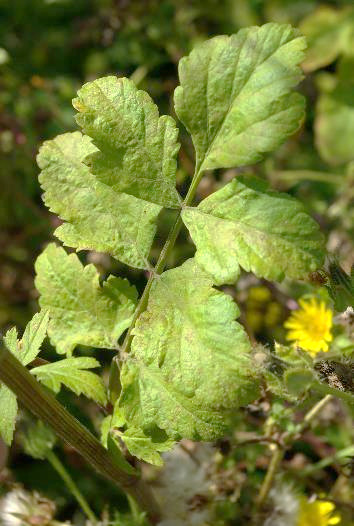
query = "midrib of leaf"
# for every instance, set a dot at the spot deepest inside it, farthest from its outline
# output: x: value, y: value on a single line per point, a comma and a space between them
x: 34, y: 334
x: 76, y: 302
x: 75, y: 162
x: 173, y: 394
x: 130, y: 239
x: 64, y: 371
x: 147, y: 152
x: 244, y: 227
x: 231, y: 102
x: 62, y: 284
x: 237, y: 98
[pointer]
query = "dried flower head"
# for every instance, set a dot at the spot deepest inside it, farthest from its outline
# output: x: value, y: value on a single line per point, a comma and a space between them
x: 19, y: 507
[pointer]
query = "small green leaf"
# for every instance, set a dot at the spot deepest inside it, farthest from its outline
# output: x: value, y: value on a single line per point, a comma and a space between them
x: 72, y: 372
x: 32, y: 339
x: 96, y: 216
x: 290, y: 355
x: 275, y: 385
x: 137, y: 148
x: 245, y: 224
x: 8, y: 414
x: 145, y: 447
x: 25, y: 350
x: 11, y: 341
x: 38, y: 440
x: 235, y: 97
x: 28, y: 348
x: 189, y: 365
x: 298, y: 380
x: 340, y: 286
x: 81, y: 310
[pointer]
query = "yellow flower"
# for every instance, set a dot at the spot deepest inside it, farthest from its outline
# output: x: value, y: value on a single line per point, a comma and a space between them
x: 310, y: 326
x: 317, y: 513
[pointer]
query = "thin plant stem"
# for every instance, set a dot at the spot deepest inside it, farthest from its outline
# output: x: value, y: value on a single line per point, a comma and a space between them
x: 345, y: 453
x: 70, y: 484
x: 275, y: 461
x: 278, y: 453
x: 309, y: 175
x: 317, y: 408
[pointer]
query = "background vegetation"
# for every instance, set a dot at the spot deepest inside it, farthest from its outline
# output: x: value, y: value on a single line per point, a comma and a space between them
x: 48, y: 49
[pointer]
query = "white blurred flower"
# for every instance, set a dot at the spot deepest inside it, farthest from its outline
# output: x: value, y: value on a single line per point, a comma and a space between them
x: 285, y: 507
x: 183, y: 487
x: 20, y: 508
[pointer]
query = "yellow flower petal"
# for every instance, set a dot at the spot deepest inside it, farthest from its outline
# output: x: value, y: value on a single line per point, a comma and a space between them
x: 317, y: 513
x: 310, y: 327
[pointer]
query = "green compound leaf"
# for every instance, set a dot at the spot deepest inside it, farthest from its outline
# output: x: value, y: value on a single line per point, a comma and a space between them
x: 245, y: 224
x: 235, y: 96
x: 96, y: 216
x: 81, y: 310
x: 189, y: 364
x: 72, y: 372
x: 137, y: 148
x: 8, y: 414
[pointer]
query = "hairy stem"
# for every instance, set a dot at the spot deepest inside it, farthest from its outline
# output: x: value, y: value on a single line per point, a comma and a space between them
x: 72, y: 487
x: 278, y: 453
x: 44, y: 406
